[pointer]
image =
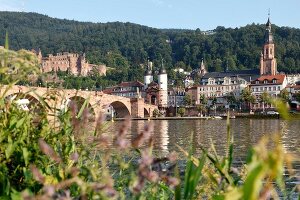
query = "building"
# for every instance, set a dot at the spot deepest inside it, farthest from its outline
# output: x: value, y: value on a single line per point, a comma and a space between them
x: 188, y: 81
x: 154, y: 93
x: 270, y: 81
x: 176, y: 97
x: 268, y: 63
x: 133, y: 89
x: 271, y: 84
x: 202, y: 70
x: 218, y: 87
x: 72, y: 63
x: 148, y: 77
x: 157, y: 93
x: 220, y: 84
x: 293, y: 79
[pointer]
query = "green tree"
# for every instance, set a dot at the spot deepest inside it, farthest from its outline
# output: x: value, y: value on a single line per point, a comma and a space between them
x: 218, y: 65
x: 181, y: 111
x: 156, y: 113
x: 187, y: 100
x: 265, y: 99
x: 214, y: 100
x: 231, y: 99
x: 284, y: 95
x: 247, y: 97
x: 297, y: 96
x: 201, y: 109
x: 203, y: 99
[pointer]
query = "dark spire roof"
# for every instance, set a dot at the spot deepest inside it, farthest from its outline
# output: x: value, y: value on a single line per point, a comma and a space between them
x: 268, y: 34
x: 268, y: 24
x: 162, y: 70
x: 148, y: 71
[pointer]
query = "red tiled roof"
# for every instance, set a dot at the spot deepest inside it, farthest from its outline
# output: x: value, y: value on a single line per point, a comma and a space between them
x: 279, y: 77
x: 131, y: 84
x: 297, y: 87
x: 108, y: 90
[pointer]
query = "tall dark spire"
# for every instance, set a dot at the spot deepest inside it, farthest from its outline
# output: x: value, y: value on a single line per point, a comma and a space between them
x: 268, y: 24
x: 148, y: 71
x: 162, y: 68
x: 269, y: 34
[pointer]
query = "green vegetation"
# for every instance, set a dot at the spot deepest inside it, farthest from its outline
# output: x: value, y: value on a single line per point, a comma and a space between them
x: 125, y: 46
x: 181, y: 111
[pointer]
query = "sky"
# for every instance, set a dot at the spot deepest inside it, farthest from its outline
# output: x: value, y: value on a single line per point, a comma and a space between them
x: 179, y: 14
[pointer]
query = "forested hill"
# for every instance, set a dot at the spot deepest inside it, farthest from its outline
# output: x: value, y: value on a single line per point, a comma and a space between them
x: 127, y: 45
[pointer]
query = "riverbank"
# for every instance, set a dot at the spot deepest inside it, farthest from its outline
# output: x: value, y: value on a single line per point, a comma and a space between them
x: 239, y: 115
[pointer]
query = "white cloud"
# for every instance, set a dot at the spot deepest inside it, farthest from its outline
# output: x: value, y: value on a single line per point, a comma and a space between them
x: 11, y: 5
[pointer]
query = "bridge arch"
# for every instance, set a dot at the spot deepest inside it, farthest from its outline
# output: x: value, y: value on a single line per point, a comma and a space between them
x: 120, y: 110
x: 78, y: 102
x: 26, y: 102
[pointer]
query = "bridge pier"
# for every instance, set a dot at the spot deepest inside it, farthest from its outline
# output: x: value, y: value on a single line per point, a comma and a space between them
x: 137, y: 107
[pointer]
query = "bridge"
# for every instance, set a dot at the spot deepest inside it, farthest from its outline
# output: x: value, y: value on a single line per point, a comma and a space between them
x: 98, y: 102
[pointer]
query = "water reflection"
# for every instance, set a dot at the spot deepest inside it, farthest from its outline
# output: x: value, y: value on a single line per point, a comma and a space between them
x: 246, y: 132
x: 161, y: 137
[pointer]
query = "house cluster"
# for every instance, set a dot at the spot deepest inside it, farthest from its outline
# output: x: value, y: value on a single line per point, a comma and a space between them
x: 155, y: 93
x: 215, y: 85
x: 264, y: 79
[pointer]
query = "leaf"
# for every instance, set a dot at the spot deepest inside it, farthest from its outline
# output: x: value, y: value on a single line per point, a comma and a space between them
x: 178, y: 187
x: 20, y: 122
x: 253, y: 183
x: 84, y: 105
x: 25, y: 155
x: 197, y: 173
x: 230, y: 157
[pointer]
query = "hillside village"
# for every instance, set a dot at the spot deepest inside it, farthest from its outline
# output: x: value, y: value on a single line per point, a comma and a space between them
x: 201, y: 92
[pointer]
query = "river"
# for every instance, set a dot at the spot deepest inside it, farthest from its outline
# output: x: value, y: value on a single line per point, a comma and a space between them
x: 246, y: 133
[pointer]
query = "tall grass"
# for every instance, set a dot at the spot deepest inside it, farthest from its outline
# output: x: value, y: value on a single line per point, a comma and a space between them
x: 42, y: 160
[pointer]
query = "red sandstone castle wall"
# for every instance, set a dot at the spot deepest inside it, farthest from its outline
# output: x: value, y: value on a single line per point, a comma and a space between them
x: 74, y: 63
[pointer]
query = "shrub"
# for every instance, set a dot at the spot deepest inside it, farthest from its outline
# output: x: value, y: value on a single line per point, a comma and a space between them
x: 181, y: 111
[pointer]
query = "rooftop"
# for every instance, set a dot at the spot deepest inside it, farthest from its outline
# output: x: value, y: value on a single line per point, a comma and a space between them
x: 269, y: 78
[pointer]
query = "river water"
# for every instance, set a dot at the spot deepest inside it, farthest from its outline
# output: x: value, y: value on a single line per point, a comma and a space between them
x: 246, y: 133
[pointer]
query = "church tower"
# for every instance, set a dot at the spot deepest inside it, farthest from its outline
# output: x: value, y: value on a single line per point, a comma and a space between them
x: 148, y: 77
x: 163, y: 87
x: 268, y: 64
x: 202, y: 70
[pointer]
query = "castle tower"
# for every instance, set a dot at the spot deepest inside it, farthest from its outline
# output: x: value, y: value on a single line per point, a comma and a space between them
x: 148, y: 77
x: 163, y: 87
x: 268, y: 64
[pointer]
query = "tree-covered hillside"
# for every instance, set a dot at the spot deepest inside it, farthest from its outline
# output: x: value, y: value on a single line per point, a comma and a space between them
x: 126, y: 46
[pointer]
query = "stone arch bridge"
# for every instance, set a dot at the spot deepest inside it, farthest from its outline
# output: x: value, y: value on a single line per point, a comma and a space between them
x: 98, y: 102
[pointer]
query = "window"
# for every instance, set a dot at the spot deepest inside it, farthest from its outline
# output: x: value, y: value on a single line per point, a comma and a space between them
x: 274, y: 81
x: 274, y: 88
x: 270, y: 88
x: 257, y: 82
x: 265, y: 81
x: 278, y: 88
